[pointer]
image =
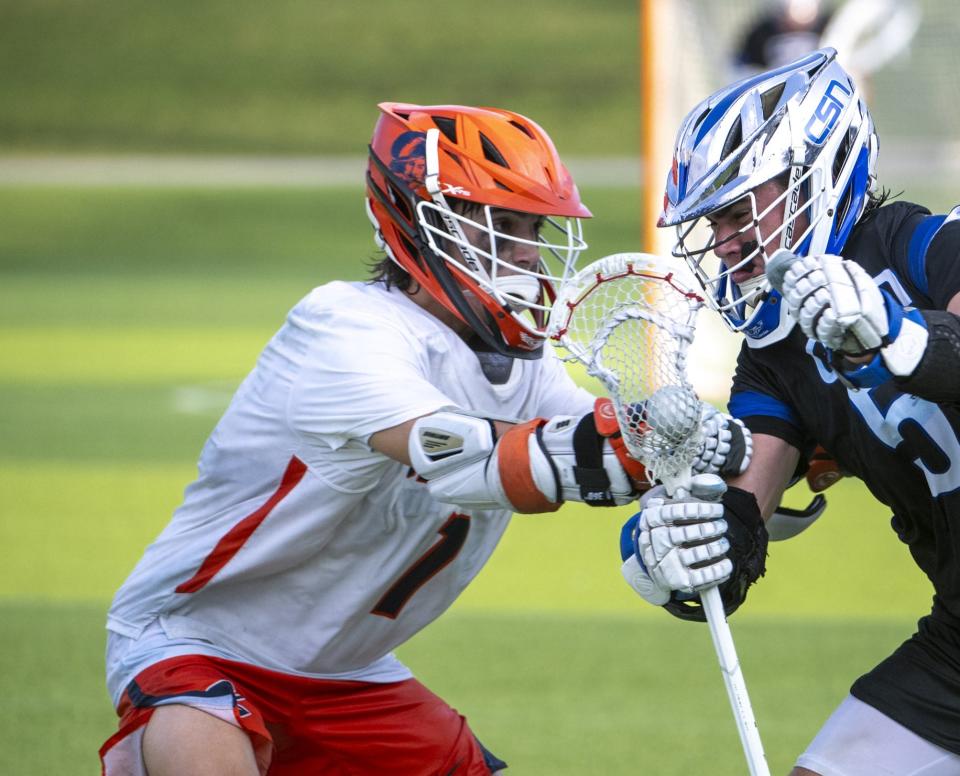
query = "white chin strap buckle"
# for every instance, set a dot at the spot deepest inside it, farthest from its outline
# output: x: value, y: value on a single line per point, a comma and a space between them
x: 432, y: 153
x: 751, y: 290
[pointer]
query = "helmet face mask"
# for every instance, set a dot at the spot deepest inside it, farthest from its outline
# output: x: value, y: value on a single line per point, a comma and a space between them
x: 772, y: 216
x: 476, y: 207
x: 477, y: 251
x: 792, y: 152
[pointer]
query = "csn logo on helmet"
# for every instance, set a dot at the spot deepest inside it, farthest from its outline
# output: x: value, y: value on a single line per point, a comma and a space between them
x: 825, y: 115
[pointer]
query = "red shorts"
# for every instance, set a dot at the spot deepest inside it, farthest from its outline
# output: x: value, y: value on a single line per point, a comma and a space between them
x: 304, y: 726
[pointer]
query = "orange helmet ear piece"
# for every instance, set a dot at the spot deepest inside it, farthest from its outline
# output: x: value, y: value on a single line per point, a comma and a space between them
x: 420, y: 158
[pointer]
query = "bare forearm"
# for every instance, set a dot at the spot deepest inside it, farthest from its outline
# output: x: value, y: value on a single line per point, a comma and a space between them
x: 773, y: 463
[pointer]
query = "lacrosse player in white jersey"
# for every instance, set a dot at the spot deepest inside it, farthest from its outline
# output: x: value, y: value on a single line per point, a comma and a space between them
x: 365, y: 471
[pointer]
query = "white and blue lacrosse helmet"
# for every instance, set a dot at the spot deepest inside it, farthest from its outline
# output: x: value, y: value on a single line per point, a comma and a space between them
x: 803, y: 125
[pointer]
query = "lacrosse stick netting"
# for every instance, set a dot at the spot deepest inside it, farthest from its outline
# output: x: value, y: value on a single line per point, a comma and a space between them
x: 629, y: 320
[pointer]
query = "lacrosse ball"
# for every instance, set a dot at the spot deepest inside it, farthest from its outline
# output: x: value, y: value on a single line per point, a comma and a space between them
x: 673, y: 412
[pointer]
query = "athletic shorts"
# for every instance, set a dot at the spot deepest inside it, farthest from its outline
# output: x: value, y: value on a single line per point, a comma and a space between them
x: 858, y: 740
x: 919, y: 684
x: 299, y: 725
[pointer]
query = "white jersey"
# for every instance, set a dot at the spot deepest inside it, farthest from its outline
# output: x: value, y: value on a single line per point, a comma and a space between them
x: 299, y: 548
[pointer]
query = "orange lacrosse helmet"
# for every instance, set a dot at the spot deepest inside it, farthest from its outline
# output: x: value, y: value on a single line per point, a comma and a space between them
x: 436, y: 169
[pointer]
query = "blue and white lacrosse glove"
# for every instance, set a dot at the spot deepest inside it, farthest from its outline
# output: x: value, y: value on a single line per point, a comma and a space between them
x: 677, y: 545
x: 837, y: 304
x: 672, y: 549
x: 727, y: 444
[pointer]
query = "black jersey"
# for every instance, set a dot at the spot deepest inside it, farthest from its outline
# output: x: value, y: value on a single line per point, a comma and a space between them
x: 904, y: 448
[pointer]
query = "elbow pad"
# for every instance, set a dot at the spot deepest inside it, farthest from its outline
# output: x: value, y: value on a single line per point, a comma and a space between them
x: 534, y: 467
x: 785, y: 523
x: 936, y: 374
x: 465, y: 464
x: 452, y: 452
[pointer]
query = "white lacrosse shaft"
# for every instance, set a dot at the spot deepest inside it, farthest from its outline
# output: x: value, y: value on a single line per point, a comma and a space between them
x: 734, y: 682
x: 730, y: 667
x: 657, y: 410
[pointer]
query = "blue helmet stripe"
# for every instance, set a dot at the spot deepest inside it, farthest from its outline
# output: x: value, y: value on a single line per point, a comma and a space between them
x: 681, y: 181
x: 857, y: 186
x: 737, y: 90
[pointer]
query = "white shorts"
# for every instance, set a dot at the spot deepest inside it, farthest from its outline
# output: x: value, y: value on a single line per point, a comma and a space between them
x: 858, y: 740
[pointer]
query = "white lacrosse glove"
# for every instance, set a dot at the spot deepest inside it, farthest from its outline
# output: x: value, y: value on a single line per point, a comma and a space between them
x: 837, y: 303
x: 727, y: 444
x: 677, y: 545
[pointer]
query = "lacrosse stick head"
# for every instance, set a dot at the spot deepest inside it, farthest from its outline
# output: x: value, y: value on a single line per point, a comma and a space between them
x: 629, y: 319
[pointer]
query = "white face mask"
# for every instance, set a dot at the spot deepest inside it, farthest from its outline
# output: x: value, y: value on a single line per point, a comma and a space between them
x: 559, y: 243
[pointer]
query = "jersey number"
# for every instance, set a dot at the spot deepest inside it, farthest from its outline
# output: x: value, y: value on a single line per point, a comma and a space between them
x: 894, y: 417
x: 453, y: 534
x: 922, y: 424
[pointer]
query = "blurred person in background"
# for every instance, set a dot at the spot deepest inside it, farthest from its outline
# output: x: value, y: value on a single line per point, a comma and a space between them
x: 850, y: 309
x: 785, y: 31
x: 365, y: 471
x: 867, y: 34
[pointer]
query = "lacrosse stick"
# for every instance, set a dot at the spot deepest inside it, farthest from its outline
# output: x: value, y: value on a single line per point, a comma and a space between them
x: 629, y: 320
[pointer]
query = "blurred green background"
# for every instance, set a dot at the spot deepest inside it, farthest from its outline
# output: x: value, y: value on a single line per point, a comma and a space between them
x: 130, y: 310
x: 297, y: 76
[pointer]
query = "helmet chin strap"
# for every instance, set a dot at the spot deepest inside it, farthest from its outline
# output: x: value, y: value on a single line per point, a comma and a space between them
x: 432, y: 183
x: 749, y: 287
x: 522, y: 288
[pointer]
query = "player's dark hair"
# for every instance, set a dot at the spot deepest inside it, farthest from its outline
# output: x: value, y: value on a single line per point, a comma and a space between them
x: 878, y: 199
x: 392, y: 275
x: 385, y: 270
x: 875, y: 199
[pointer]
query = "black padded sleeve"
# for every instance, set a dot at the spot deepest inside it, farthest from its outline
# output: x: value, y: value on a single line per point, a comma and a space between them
x: 937, y: 376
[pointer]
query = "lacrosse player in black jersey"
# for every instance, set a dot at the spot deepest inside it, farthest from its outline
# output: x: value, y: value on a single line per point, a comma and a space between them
x: 852, y: 342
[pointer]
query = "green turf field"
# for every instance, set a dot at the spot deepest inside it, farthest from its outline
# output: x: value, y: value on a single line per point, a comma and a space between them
x: 127, y: 316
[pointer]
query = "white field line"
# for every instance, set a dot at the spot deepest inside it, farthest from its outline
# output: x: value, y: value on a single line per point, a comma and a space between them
x: 902, y: 162
x: 210, y: 398
x: 240, y: 171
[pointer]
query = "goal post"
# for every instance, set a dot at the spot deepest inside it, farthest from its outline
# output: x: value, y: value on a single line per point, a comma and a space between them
x: 674, y: 78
